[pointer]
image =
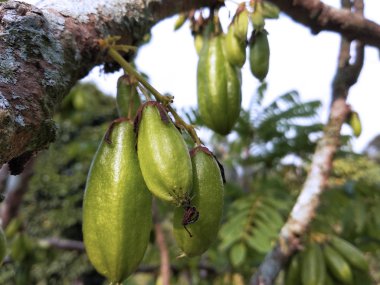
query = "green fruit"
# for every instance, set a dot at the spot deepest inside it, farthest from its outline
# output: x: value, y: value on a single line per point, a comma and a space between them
x: 164, y: 158
x: 313, y: 267
x: 257, y: 17
x: 337, y: 265
x: 198, y: 43
x: 354, y: 121
x: 349, y: 252
x: 218, y: 87
x: 208, y: 199
x: 180, y: 21
x: 235, y: 49
x: 270, y: 11
x: 293, y: 271
x: 127, y: 97
x: 117, y: 216
x: 240, y: 23
x: 259, y: 54
x: 3, y: 245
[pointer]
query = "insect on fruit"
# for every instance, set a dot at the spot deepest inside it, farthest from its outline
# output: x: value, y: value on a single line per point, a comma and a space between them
x: 190, y: 216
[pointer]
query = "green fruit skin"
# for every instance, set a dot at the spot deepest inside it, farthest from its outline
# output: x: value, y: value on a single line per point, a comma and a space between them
x: 241, y: 22
x: 259, y: 54
x: 293, y: 271
x: 235, y: 49
x: 337, y: 265
x: 349, y: 252
x: 198, y: 43
x: 208, y: 200
x: 313, y: 270
x: 218, y: 87
x: 164, y: 158
x: 3, y: 245
x: 117, y: 216
x: 126, y: 96
x: 355, y: 124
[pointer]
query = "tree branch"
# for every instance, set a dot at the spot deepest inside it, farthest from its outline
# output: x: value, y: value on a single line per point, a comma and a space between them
x: 14, y: 192
x: 321, y: 17
x: 306, y: 205
x: 45, y: 50
x: 165, y: 271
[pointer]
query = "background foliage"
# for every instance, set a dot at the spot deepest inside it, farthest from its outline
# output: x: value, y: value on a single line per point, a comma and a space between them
x: 266, y: 161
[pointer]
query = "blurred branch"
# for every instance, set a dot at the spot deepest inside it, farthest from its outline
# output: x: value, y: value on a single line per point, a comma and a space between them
x: 321, y: 17
x: 305, y: 207
x: 4, y: 174
x: 14, y: 192
x: 165, y: 271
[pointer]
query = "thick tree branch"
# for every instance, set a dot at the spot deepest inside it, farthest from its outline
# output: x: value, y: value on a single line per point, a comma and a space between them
x: 321, y: 17
x: 305, y: 208
x: 45, y: 50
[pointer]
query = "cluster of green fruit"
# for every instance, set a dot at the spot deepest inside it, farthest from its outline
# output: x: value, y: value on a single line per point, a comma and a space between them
x: 335, y: 261
x: 134, y: 160
x: 221, y: 56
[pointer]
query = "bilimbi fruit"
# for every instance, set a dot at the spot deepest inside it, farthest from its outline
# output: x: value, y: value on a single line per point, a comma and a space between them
x: 117, y: 217
x: 163, y: 155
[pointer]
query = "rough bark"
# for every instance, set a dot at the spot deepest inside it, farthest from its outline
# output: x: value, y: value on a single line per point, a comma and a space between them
x: 306, y: 205
x: 45, y: 50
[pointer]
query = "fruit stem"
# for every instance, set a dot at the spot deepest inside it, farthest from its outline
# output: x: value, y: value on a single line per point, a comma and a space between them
x: 166, y: 100
x: 189, y: 128
x: 129, y: 69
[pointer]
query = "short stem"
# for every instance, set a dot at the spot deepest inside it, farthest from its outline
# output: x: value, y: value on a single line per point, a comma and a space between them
x: 189, y: 128
x: 129, y: 69
x: 166, y: 100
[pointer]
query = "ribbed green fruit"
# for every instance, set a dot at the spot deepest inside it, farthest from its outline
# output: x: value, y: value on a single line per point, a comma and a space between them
x: 117, y: 217
x: 355, y: 123
x: 293, y: 271
x: 241, y: 21
x: 207, y: 194
x: 337, y: 265
x: 235, y: 48
x: 218, y: 87
x: 259, y: 54
x: 313, y: 266
x: 127, y: 97
x: 350, y: 253
x: 163, y: 155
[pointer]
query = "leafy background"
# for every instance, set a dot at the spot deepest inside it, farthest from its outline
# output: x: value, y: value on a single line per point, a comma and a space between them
x: 266, y: 159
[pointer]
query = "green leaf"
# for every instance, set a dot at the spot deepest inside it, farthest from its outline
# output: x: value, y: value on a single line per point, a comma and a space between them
x: 237, y: 254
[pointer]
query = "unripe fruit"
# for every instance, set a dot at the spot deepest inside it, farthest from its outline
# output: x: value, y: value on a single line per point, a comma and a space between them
x: 163, y: 155
x: 337, y: 265
x: 240, y: 23
x: 235, y: 49
x: 350, y: 253
x: 117, y: 217
x: 354, y: 121
x: 198, y: 43
x: 259, y: 54
x: 127, y: 97
x: 313, y: 267
x: 218, y: 87
x: 208, y: 199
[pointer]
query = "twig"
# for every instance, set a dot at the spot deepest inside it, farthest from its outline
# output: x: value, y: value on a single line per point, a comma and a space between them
x: 165, y: 271
x: 305, y: 208
x: 14, y: 193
